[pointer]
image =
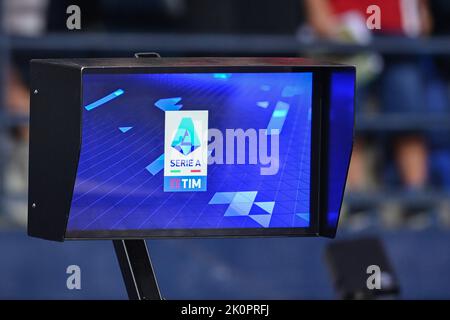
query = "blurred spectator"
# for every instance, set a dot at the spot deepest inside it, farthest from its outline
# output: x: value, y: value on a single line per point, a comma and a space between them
x: 19, y: 18
x: 441, y: 27
x: 24, y: 17
x: 438, y: 98
x: 402, y: 89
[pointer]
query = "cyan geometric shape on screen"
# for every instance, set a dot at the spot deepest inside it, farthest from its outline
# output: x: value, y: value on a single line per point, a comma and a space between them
x: 186, y: 139
x: 169, y: 104
x: 156, y: 166
x: 222, y: 76
x: 222, y: 198
x: 263, y: 104
x: 279, y: 113
x: 238, y: 209
x: 234, y: 210
x: 245, y: 197
x: 266, y: 206
x: 241, y: 203
x: 278, y: 117
x: 290, y: 91
x: 262, y: 219
x: 125, y: 129
x: 104, y: 100
x: 303, y: 219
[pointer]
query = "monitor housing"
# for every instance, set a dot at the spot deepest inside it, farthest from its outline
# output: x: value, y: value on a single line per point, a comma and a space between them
x: 58, y: 110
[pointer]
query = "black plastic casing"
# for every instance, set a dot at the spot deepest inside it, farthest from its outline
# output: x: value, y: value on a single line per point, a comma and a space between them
x: 56, y: 135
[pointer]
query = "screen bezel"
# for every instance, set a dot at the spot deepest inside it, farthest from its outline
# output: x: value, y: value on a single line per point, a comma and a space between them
x: 315, y: 160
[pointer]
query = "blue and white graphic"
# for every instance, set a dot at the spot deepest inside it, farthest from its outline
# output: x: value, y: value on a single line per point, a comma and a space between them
x: 242, y: 204
x: 142, y: 137
x: 186, y: 151
x: 125, y: 129
x: 169, y: 104
x: 278, y: 117
x: 186, y: 140
x: 104, y: 100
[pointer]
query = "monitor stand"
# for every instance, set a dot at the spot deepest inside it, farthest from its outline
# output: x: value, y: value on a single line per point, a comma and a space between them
x: 137, y: 270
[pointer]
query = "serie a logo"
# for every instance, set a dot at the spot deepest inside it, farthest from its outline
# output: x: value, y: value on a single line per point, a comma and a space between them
x: 185, y: 165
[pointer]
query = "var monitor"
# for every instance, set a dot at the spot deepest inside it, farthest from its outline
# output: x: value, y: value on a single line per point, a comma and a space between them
x: 192, y: 147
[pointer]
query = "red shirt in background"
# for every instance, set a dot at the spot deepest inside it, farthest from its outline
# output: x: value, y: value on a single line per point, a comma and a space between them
x: 397, y: 16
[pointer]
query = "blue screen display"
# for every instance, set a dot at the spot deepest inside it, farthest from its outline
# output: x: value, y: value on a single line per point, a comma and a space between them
x: 193, y: 151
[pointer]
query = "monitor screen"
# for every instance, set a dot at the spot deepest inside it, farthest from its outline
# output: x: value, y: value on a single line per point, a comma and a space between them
x: 162, y: 152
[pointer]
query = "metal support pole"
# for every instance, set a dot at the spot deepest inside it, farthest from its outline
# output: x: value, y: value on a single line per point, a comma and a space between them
x: 137, y: 269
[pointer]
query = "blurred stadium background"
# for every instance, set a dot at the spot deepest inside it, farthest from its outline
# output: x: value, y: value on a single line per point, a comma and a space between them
x: 399, y: 184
